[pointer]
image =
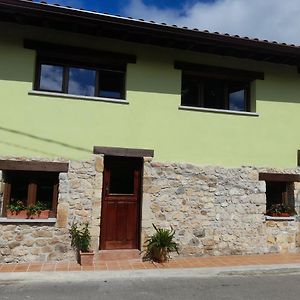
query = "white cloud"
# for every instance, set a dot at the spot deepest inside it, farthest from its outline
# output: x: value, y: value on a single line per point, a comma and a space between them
x: 265, y: 19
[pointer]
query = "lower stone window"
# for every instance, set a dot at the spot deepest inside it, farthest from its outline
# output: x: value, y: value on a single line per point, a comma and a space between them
x: 280, y: 200
x: 29, y: 188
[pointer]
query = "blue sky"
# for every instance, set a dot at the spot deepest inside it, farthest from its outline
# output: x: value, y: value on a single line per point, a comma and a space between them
x: 265, y: 19
x: 119, y: 6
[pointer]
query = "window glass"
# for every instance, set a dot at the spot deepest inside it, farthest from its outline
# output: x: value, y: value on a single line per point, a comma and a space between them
x: 190, y: 92
x: 280, y: 198
x: 51, y: 78
x: 237, y: 97
x: 213, y: 94
x: 19, y: 191
x: 45, y: 184
x: 111, y: 84
x: 275, y: 192
x: 82, y: 82
x: 45, y: 194
x: 121, y: 179
x: 198, y: 91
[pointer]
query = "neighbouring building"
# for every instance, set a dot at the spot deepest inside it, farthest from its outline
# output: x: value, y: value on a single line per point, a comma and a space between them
x: 124, y: 123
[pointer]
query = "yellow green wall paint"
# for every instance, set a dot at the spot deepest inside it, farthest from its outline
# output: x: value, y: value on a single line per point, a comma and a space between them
x: 36, y: 126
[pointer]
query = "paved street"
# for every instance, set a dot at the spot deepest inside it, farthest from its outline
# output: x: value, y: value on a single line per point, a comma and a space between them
x: 161, y: 286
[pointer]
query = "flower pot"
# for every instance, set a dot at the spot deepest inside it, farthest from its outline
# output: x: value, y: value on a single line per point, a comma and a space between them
x: 280, y: 215
x: 44, y: 214
x: 160, y: 254
x: 22, y: 214
x: 86, y: 258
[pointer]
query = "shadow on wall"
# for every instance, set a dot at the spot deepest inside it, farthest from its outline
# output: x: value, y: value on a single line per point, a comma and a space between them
x: 18, y: 63
x: 154, y: 74
x: 17, y: 132
x: 280, y: 87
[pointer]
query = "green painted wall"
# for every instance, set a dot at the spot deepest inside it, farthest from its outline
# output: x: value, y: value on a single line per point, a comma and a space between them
x: 37, y: 126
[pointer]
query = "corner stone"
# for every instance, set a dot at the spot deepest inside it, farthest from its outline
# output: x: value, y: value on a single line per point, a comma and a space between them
x: 62, y: 215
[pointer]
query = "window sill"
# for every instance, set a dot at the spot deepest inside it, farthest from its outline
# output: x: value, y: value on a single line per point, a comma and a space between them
x: 269, y: 218
x: 221, y: 111
x: 78, y: 97
x: 49, y: 220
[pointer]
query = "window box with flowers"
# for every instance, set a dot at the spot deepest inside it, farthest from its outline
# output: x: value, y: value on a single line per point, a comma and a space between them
x: 17, y: 210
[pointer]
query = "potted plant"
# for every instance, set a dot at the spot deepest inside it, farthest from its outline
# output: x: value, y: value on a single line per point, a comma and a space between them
x: 16, y: 210
x: 281, y: 210
x: 81, y: 241
x: 37, y: 211
x: 160, y: 244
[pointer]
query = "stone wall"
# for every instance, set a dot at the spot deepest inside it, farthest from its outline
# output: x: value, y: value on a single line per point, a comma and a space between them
x: 214, y: 210
x: 78, y: 200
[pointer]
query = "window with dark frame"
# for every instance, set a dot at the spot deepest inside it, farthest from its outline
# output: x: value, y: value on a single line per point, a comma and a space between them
x: 31, y: 187
x: 279, y: 193
x: 209, y: 92
x: 80, y: 79
x: 215, y: 87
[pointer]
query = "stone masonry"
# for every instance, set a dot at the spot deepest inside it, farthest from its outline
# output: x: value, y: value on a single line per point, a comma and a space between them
x: 79, y: 200
x: 214, y: 211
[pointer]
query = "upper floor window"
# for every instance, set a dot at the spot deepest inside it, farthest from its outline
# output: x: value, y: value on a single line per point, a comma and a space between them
x: 199, y: 91
x: 216, y: 87
x: 76, y: 79
x: 79, y: 71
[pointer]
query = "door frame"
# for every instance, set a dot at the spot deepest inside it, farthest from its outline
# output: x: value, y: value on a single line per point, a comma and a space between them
x: 140, y: 162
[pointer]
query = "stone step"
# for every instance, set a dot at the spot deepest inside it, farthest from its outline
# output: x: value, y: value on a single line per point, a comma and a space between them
x: 108, y: 255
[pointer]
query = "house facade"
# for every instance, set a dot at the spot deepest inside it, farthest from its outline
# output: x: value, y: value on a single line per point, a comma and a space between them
x: 126, y: 123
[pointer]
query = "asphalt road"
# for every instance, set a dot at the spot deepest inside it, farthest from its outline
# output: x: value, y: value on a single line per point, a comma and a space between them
x: 258, y: 287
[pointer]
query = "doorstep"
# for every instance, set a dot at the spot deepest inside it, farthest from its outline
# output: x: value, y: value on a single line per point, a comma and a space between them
x: 113, y: 255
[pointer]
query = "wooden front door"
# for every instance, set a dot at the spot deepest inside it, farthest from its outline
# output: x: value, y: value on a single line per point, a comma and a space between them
x: 120, y: 216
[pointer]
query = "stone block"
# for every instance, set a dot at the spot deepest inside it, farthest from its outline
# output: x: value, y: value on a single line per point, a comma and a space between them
x: 194, y: 242
x: 62, y: 215
x: 199, y: 233
x: 41, y: 242
x: 46, y: 249
x: 99, y: 164
x: 271, y: 239
x: 29, y: 242
x: 42, y: 233
x: 61, y: 248
x: 13, y: 245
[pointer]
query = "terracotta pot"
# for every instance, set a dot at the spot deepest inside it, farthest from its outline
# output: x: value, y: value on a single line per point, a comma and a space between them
x: 86, y: 258
x: 160, y: 254
x: 284, y: 215
x: 44, y: 214
x: 280, y: 215
x: 22, y: 214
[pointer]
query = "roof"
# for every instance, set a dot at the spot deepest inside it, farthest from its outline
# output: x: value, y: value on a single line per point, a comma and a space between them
x: 42, y: 14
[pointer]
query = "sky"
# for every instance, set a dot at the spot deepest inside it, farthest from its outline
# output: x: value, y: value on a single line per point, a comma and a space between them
x: 265, y: 19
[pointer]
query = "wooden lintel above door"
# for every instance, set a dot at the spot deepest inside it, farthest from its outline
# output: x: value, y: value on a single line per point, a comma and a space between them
x: 125, y: 152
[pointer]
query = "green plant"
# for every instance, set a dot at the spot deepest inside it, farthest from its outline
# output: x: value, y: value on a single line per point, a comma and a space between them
x: 160, y: 244
x: 16, y: 206
x: 80, y: 236
x: 280, y: 208
x: 35, y: 208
